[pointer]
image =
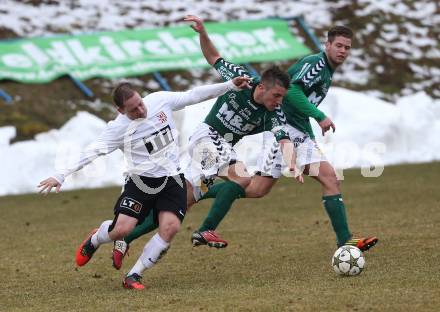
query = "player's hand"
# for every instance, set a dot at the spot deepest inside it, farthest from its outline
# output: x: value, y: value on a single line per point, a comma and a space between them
x: 198, y: 22
x: 289, y: 156
x: 294, y: 170
x: 242, y: 82
x: 47, y: 185
x: 297, y: 174
x: 326, y: 124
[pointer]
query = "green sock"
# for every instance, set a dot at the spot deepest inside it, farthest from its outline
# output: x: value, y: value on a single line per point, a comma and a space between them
x: 213, y: 190
x: 226, y: 195
x: 336, y: 211
x: 147, y: 226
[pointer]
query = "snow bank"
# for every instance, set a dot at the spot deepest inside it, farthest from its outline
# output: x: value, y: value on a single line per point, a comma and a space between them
x: 369, y: 132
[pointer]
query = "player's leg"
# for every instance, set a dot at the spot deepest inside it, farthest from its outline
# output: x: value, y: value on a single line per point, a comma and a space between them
x: 150, y: 224
x: 190, y: 194
x: 237, y: 179
x: 212, y: 156
x: 120, y: 248
x: 334, y: 205
x: 324, y: 173
x: 171, y: 209
x: 226, y: 193
x: 315, y: 164
x: 260, y: 186
x: 106, y: 233
x: 131, y: 207
x: 269, y: 164
x: 155, y: 249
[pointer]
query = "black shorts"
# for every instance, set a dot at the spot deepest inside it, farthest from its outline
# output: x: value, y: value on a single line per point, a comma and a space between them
x: 140, y: 195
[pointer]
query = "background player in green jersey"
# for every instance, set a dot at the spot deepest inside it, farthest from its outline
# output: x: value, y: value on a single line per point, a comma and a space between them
x: 310, y: 80
x: 234, y: 115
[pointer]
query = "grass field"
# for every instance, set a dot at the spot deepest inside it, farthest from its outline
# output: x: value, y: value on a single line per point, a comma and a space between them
x: 278, y: 258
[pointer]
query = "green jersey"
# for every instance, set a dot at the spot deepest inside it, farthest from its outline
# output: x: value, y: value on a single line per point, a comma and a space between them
x: 235, y: 114
x: 311, y: 75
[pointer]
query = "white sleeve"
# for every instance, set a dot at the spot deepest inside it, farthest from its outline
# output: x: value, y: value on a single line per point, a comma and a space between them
x: 178, y: 100
x: 109, y: 140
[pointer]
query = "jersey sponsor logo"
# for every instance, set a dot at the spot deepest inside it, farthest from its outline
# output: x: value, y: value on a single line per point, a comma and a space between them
x: 314, y: 99
x: 231, y: 120
x: 162, y: 117
x: 131, y: 204
x: 159, y: 140
x: 245, y: 112
x: 231, y: 100
x: 314, y: 81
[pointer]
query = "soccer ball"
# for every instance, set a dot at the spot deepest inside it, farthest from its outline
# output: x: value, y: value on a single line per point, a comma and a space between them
x: 348, y: 260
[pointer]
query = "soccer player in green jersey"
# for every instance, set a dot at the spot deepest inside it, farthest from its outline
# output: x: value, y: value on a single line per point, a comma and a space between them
x: 310, y: 80
x: 233, y: 116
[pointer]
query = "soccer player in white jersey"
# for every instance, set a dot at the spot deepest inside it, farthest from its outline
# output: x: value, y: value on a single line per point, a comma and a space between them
x: 145, y: 132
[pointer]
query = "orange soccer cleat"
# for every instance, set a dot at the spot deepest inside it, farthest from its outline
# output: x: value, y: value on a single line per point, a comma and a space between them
x: 86, y: 250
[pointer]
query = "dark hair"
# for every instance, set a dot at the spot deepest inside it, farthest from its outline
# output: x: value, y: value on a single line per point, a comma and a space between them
x: 122, y: 92
x: 339, y: 31
x: 275, y: 75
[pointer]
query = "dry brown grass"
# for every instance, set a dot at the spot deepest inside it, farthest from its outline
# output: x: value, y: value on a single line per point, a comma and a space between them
x: 278, y: 258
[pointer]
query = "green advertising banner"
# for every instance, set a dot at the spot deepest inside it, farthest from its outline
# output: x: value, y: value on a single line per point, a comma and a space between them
x: 136, y: 52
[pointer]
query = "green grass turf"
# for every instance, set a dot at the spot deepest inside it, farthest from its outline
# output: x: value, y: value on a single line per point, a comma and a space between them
x: 278, y: 258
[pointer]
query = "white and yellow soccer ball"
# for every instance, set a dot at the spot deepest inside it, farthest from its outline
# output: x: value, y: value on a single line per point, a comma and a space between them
x: 348, y: 260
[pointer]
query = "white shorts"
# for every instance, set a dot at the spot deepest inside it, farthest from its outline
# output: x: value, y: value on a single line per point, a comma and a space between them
x: 271, y: 163
x: 209, y: 153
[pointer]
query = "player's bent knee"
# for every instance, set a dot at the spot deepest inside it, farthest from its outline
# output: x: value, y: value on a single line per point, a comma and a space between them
x: 121, y: 230
x: 168, y: 231
x: 169, y: 226
x: 259, y: 187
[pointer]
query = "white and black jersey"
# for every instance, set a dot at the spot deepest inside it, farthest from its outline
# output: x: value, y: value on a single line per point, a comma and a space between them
x: 150, y: 144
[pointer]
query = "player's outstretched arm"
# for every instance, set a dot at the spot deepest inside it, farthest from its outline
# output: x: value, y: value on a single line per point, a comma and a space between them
x: 208, y: 49
x: 179, y: 100
x: 110, y: 139
x: 47, y: 185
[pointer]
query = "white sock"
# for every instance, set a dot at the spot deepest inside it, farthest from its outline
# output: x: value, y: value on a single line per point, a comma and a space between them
x: 101, y: 236
x: 151, y: 254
